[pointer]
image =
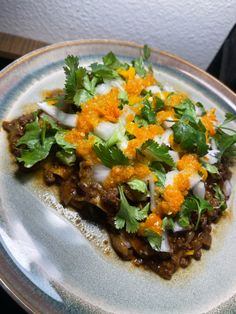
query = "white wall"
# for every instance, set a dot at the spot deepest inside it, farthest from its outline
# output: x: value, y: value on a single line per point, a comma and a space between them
x: 193, y: 29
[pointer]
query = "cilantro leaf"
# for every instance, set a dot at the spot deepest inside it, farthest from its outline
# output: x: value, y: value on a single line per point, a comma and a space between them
x: 32, y: 134
x: 210, y: 168
x: 168, y: 224
x: 111, y: 61
x: 189, y: 138
x: 146, y: 52
x: 225, y: 143
x: 70, y: 68
x: 102, y: 71
x: 193, y: 204
x: 37, y: 153
x: 140, y: 121
x: 219, y: 195
x: 129, y: 216
x: 229, y: 117
x: 123, y: 98
x: 60, y: 140
x: 138, y: 185
x: 139, y: 66
x: 160, y: 172
x: 38, y: 139
x: 67, y: 157
x: 81, y: 96
x: 186, y: 110
x: 40, y: 135
x: 159, y: 104
x: 78, y: 86
x: 154, y: 239
x: 110, y: 156
x: 148, y: 113
x: 157, y: 152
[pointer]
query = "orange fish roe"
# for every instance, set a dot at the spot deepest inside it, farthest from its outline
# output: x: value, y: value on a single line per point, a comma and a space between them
x: 134, y: 99
x: 162, y: 95
x: 153, y: 222
x: 141, y: 135
x: 175, y: 99
x: 165, y: 115
x: 84, y: 147
x: 127, y: 74
x: 99, y: 108
x: 189, y: 161
x: 209, y: 120
x: 137, y: 84
x: 181, y: 181
x: 74, y: 136
x: 122, y: 174
x: 173, y: 199
x: 174, y: 194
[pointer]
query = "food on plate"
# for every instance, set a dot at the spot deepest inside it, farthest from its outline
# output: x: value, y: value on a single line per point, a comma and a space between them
x: 150, y: 161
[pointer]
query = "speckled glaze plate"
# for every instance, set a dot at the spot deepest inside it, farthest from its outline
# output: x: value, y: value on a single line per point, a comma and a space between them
x: 51, y: 261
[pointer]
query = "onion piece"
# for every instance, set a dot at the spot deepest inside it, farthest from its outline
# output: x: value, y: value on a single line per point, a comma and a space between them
x: 165, y: 246
x: 174, y: 155
x: 227, y: 188
x: 168, y: 124
x: 100, y: 173
x: 194, y: 179
x: 170, y: 177
x: 178, y: 228
x: 103, y: 89
x: 152, y: 193
x: 154, y: 89
x: 105, y: 130
x: 199, y: 189
x: 164, y: 138
x: 66, y: 119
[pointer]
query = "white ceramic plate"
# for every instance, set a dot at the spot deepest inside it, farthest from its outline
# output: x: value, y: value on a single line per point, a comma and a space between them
x: 52, y: 262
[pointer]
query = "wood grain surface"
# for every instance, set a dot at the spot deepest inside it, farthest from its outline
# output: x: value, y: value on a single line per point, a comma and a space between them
x: 13, y: 47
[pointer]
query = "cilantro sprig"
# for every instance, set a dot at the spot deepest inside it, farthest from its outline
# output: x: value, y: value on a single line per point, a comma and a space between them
x: 38, y: 139
x: 193, y: 204
x: 129, y: 216
x: 110, y: 156
x: 154, y: 151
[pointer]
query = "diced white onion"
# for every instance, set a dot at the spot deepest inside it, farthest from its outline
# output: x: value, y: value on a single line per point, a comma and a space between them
x: 164, y: 138
x: 168, y: 124
x: 174, y: 155
x: 154, y: 89
x: 178, y: 228
x: 165, y: 246
x: 66, y: 119
x: 194, y: 179
x: 123, y: 144
x: 227, y: 188
x: 116, y: 83
x: 100, y: 173
x: 105, y: 130
x: 199, y: 189
x: 213, y: 144
x: 103, y: 89
x: 198, y: 111
x: 125, y: 113
x: 152, y: 193
x: 211, y: 156
x: 170, y: 177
